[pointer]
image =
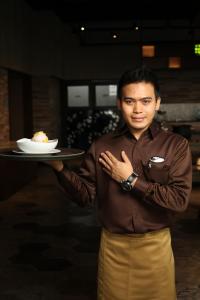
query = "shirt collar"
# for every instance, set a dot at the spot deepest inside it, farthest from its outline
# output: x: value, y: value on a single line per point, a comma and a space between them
x: 153, y: 130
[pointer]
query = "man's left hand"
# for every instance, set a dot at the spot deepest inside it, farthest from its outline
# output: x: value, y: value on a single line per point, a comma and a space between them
x: 118, y: 170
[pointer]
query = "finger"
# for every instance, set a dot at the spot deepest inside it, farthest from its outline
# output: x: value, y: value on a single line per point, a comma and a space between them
x: 111, y: 156
x: 106, y: 158
x: 124, y: 156
x: 104, y: 163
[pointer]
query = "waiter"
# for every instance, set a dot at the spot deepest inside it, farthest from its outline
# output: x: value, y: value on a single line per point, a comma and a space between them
x: 140, y: 176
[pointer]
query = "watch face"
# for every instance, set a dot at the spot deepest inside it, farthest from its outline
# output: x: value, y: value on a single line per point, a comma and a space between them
x: 126, y: 185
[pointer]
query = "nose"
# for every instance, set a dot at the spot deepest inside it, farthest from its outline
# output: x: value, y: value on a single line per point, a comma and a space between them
x: 137, y: 108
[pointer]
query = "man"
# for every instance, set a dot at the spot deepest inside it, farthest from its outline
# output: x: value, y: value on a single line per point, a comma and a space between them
x: 139, y: 176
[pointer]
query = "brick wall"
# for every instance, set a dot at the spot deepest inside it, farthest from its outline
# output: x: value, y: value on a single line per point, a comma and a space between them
x: 46, y: 105
x: 4, y: 107
x: 180, y: 86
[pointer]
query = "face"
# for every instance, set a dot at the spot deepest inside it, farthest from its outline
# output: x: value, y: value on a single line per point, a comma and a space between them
x: 138, y: 106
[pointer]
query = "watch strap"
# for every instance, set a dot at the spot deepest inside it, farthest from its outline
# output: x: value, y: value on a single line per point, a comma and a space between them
x: 127, y: 184
x: 132, y: 177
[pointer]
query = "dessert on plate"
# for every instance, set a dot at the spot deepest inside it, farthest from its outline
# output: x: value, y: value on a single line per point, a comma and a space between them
x: 40, y: 136
x: 38, y: 144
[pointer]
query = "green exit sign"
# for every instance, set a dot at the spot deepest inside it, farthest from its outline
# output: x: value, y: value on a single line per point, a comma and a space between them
x: 197, y: 49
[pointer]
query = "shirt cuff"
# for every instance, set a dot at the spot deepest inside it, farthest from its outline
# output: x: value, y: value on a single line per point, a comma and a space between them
x: 142, y: 186
x: 62, y: 174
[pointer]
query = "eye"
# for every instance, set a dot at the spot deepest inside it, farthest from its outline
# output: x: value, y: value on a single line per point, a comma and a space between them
x: 146, y: 101
x: 128, y: 101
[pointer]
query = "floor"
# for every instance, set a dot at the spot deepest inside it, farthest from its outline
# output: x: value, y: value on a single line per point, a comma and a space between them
x: 49, y: 246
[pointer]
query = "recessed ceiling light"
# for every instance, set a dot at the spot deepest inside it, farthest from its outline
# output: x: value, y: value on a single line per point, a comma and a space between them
x: 115, y: 36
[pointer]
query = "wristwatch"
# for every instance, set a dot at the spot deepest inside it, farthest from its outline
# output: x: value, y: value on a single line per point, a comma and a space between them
x: 127, y: 184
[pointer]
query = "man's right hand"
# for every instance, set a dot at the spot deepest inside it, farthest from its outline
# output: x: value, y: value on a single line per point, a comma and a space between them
x: 57, y: 165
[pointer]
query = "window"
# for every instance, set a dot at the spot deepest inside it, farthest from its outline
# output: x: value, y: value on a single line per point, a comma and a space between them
x: 148, y: 51
x: 78, y: 96
x: 174, y: 62
x: 106, y: 95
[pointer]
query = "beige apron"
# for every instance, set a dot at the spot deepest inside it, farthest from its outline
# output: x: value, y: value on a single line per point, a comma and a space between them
x: 136, y: 266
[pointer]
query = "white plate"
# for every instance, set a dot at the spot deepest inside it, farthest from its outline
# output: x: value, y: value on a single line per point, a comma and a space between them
x: 38, y: 153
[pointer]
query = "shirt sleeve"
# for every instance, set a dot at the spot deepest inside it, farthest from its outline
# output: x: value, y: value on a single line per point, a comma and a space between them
x: 176, y: 193
x: 81, y: 185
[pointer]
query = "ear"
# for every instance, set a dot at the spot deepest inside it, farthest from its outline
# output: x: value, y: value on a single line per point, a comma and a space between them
x: 118, y: 104
x: 158, y: 103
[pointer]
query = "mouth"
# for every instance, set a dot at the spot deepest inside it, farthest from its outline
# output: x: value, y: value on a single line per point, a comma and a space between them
x: 138, y: 119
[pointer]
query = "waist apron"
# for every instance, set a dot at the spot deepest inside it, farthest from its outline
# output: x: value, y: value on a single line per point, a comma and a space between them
x: 136, y: 266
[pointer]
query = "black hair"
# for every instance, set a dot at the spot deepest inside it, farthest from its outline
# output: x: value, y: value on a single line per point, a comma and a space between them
x: 142, y: 74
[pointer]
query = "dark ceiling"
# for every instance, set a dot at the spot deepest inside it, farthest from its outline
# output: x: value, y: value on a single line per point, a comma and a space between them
x: 164, y: 20
x: 87, y: 10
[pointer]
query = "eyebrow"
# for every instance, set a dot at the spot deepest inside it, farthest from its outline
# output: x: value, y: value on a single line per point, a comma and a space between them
x: 143, y: 98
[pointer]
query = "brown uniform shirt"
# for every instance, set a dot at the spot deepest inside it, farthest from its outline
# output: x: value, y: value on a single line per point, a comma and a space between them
x: 161, y: 189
